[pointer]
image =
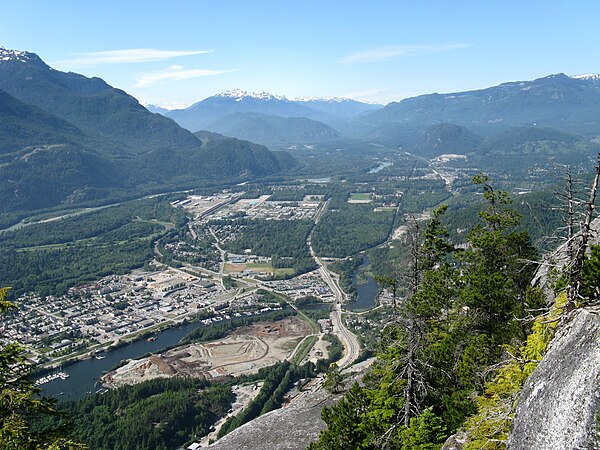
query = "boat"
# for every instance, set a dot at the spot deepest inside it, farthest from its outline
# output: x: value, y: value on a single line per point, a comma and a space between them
x: 51, y: 377
x: 100, y: 357
x: 151, y: 339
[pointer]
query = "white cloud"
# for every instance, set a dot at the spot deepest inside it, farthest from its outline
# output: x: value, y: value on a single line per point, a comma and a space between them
x: 133, y: 55
x: 385, y: 53
x: 175, y: 73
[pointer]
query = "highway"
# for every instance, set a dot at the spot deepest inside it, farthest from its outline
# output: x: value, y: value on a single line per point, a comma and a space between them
x: 347, y: 338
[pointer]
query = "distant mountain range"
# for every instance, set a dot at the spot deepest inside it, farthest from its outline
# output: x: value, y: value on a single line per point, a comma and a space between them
x: 571, y: 104
x: 157, y: 109
x: 69, y: 139
x: 329, y: 110
x: 525, y: 141
x: 66, y: 138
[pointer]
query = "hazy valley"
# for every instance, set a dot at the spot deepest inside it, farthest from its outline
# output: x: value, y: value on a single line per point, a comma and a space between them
x: 179, y: 273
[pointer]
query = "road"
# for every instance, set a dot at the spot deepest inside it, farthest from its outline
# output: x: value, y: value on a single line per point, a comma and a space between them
x: 25, y: 222
x: 223, y: 258
x: 346, y: 337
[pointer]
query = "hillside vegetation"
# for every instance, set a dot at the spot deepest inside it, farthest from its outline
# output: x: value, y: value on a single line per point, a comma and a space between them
x: 464, y: 308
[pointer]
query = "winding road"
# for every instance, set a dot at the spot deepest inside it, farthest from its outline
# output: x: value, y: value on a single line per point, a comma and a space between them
x: 347, y: 338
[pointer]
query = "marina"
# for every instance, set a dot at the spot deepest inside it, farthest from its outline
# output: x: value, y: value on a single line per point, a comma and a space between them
x: 53, y: 376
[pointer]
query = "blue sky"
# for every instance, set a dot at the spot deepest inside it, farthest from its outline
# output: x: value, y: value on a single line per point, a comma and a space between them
x: 176, y: 52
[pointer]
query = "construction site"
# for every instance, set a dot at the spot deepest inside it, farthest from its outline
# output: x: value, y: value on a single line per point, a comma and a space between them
x: 243, y: 351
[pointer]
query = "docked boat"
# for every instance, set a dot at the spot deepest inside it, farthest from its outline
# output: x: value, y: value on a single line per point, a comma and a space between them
x: 51, y: 377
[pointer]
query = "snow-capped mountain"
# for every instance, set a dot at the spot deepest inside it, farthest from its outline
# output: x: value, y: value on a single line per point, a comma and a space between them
x: 200, y: 115
x: 323, y: 99
x: 157, y: 109
x: 240, y: 95
x: 587, y: 77
x: 19, y: 56
x: 338, y: 107
x: 7, y: 55
x: 329, y: 110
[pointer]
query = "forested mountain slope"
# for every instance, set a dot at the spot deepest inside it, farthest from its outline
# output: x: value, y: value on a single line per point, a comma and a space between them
x: 67, y: 139
x: 558, y: 101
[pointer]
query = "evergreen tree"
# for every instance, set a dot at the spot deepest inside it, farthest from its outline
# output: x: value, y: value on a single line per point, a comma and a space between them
x: 438, y: 353
x: 345, y: 422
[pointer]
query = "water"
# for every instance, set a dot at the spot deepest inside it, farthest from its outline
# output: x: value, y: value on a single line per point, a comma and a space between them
x: 83, y: 375
x: 380, y: 167
x: 315, y: 306
x: 323, y: 180
x: 366, y: 293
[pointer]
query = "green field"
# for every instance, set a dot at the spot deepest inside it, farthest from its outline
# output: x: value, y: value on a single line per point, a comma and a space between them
x: 259, y: 267
x: 360, y: 196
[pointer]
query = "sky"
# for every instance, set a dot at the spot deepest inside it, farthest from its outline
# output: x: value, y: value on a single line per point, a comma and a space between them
x: 177, y: 52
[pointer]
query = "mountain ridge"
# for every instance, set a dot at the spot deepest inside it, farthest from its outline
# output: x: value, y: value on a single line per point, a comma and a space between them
x: 518, y: 103
x: 268, y: 130
x: 328, y: 110
x: 70, y: 138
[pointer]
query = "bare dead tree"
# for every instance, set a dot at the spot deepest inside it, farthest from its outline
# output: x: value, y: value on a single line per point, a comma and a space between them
x: 578, y: 244
x: 570, y: 211
x: 414, y: 343
x: 413, y: 273
x: 412, y: 335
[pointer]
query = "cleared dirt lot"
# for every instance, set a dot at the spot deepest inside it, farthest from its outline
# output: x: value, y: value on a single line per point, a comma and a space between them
x: 244, y: 351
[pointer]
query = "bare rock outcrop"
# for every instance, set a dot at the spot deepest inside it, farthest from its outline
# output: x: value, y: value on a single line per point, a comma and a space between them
x: 559, y: 402
x: 289, y: 428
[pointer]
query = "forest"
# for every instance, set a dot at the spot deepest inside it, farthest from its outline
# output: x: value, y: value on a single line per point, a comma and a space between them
x: 50, y: 257
x: 282, y: 240
x: 346, y: 229
x: 157, y: 414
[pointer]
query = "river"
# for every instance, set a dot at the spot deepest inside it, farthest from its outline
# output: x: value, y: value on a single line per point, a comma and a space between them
x: 380, y: 167
x: 366, y: 293
x: 25, y: 222
x: 83, y: 375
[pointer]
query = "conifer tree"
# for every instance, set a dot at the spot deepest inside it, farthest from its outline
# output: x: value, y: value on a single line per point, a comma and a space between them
x: 448, y: 334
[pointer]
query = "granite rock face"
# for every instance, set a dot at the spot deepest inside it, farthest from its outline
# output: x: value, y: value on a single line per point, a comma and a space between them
x: 289, y: 428
x: 559, y: 402
x: 456, y: 441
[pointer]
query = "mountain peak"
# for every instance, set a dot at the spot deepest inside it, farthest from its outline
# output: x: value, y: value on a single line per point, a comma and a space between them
x: 322, y: 99
x: 587, y: 76
x: 239, y: 95
x: 332, y: 100
x: 16, y: 55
